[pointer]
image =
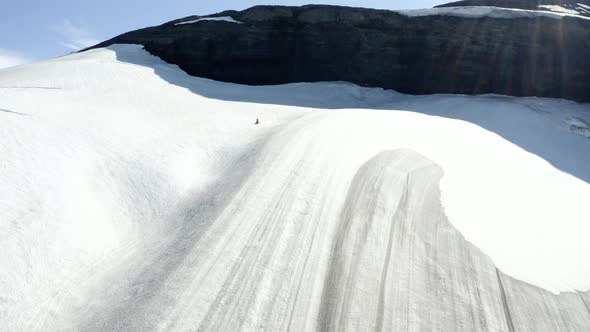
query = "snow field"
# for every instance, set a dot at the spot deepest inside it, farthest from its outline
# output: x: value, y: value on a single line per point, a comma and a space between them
x: 126, y: 198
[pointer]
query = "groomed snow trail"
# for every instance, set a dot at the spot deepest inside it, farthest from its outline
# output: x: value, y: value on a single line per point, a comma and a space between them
x: 128, y: 203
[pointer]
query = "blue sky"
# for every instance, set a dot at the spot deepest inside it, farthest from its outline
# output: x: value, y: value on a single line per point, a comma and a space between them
x: 32, y: 30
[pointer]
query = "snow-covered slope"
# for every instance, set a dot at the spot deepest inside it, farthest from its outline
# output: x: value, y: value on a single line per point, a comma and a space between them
x: 569, y: 7
x: 136, y: 197
x: 560, y: 9
x: 555, y: 12
x: 222, y: 18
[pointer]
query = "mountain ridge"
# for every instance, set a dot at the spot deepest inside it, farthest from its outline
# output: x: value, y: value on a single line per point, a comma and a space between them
x: 468, y: 50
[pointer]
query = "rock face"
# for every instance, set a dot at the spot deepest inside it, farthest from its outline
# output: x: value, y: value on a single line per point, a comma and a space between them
x: 522, y: 56
x: 432, y: 54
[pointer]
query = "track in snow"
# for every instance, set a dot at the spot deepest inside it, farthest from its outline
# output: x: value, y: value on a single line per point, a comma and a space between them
x: 386, y: 259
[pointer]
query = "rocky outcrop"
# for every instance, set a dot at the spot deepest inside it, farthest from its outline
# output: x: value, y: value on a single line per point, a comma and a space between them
x: 416, y: 54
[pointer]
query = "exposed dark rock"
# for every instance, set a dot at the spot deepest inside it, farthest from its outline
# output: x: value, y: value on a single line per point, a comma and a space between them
x: 528, y: 56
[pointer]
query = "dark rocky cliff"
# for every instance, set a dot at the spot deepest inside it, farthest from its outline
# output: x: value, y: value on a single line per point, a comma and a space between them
x: 525, y: 56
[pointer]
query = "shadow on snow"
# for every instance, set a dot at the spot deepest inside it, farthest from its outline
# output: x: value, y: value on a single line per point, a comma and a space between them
x: 527, y: 125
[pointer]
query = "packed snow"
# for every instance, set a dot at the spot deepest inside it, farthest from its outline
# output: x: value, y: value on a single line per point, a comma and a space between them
x: 486, y: 11
x: 111, y: 156
x: 218, y: 19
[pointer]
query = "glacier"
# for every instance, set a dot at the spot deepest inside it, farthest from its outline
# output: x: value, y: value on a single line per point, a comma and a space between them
x: 136, y: 197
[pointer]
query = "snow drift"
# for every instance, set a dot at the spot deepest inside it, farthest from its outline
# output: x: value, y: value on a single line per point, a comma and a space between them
x: 134, y: 197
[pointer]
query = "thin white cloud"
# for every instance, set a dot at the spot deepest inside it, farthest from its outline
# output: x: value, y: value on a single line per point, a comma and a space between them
x: 10, y: 58
x: 75, y: 37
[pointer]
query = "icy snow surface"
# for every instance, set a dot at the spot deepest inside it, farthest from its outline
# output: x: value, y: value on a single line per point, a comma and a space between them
x: 578, y: 126
x: 559, y: 9
x: 486, y: 11
x: 221, y: 18
x: 584, y: 9
x: 124, y: 180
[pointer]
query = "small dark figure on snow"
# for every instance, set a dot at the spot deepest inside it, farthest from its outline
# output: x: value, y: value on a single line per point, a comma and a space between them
x: 257, y: 122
